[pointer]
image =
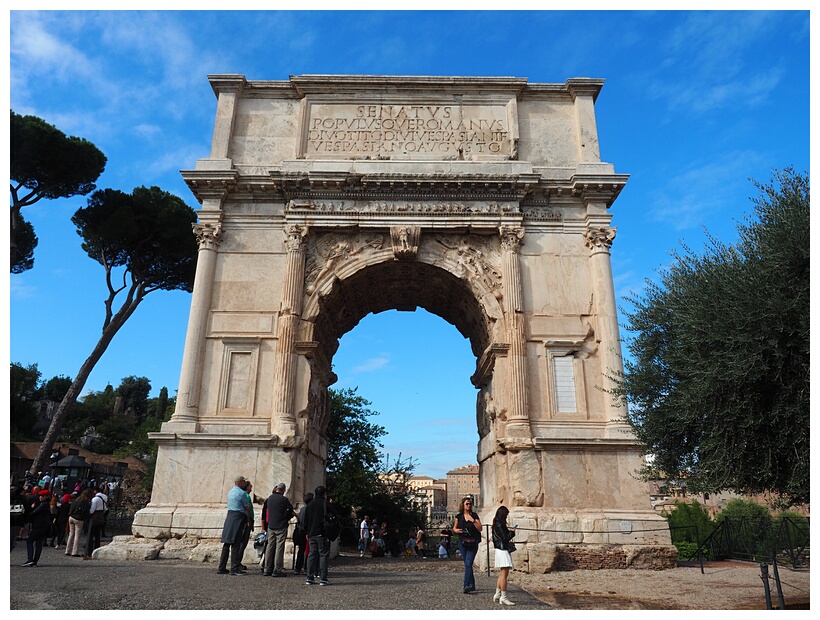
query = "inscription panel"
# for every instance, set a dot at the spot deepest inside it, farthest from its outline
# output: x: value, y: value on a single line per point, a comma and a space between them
x: 454, y: 131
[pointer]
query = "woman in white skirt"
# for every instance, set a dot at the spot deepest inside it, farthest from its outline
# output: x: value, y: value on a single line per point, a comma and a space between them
x: 502, y: 541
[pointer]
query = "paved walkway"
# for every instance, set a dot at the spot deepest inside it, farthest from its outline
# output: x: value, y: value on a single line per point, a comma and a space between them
x: 65, y: 583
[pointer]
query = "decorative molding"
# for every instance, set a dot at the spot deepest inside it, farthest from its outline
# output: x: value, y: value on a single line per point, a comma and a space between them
x: 207, y: 235
x: 486, y: 363
x: 511, y: 238
x: 600, y: 238
x: 405, y: 241
x: 295, y: 237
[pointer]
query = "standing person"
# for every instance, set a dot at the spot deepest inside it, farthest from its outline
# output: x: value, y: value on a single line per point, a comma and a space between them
x: 40, y: 522
x: 278, y: 512
x: 246, y: 535
x: 238, y: 517
x: 302, y: 541
x: 77, y: 515
x: 364, y: 535
x: 18, y: 512
x: 502, y: 541
x: 444, y: 538
x: 468, y: 526
x: 421, y: 541
x: 54, y: 509
x: 319, y: 553
x: 62, y: 519
x: 96, y: 516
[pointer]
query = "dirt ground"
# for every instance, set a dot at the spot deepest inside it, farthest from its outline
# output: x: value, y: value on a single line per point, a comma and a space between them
x: 722, y: 585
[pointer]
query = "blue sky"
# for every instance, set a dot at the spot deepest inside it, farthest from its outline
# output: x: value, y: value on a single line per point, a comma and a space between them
x: 695, y: 104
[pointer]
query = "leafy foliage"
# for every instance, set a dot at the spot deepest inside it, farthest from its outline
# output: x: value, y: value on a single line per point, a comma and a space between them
x: 45, y: 163
x: 55, y: 388
x: 352, y: 450
x: 25, y: 242
x: 134, y: 394
x: 354, y: 463
x: 685, y: 518
x: 718, y: 383
x: 23, y: 384
x: 738, y: 509
x: 148, y: 232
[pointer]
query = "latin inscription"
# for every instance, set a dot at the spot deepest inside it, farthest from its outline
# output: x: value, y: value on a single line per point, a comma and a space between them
x: 448, y: 131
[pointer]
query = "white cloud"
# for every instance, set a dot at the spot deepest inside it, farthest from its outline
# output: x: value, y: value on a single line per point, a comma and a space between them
x: 713, y: 57
x: 20, y: 290
x: 371, y: 365
x: 705, y: 188
x: 34, y: 44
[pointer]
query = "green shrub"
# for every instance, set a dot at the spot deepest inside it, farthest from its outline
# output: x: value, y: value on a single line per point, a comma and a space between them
x: 683, y: 520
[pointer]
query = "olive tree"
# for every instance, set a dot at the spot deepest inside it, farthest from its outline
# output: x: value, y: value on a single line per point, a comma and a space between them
x: 718, y: 379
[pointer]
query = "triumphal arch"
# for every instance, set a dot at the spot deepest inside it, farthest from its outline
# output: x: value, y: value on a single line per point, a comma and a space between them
x: 484, y: 201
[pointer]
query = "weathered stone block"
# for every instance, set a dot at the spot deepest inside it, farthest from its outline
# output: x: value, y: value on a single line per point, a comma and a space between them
x: 541, y: 557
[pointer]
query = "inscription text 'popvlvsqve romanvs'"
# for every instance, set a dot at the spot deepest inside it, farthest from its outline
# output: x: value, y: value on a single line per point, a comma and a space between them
x: 441, y: 130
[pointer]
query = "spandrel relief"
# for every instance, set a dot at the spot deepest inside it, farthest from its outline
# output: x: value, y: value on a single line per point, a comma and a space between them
x: 327, y: 253
x: 473, y: 258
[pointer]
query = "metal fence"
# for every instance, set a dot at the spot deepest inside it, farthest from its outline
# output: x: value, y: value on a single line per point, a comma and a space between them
x: 783, y: 540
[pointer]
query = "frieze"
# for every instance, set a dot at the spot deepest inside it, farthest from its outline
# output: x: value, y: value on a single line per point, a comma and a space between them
x: 401, y: 207
x: 541, y: 214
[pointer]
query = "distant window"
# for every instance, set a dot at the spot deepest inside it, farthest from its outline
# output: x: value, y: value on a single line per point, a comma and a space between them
x: 565, y: 383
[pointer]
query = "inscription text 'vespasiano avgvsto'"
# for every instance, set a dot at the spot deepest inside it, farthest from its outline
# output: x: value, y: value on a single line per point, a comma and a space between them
x: 449, y: 131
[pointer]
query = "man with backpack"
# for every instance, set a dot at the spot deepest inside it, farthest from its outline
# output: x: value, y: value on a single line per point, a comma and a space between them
x: 322, y: 527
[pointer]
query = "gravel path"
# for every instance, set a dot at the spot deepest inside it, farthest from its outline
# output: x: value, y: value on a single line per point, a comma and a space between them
x: 61, y: 582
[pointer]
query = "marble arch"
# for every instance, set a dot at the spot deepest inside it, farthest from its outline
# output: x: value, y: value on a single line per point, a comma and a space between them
x: 481, y: 199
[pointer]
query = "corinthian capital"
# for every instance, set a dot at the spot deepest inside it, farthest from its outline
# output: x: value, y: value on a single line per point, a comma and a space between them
x: 207, y: 235
x: 599, y: 238
x: 295, y: 237
x: 511, y: 237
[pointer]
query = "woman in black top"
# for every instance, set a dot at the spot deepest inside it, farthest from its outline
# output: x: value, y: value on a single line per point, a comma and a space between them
x: 468, y: 526
x: 502, y: 541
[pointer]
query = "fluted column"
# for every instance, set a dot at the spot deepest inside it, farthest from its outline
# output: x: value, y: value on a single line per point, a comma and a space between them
x: 187, y: 407
x: 284, y: 373
x: 599, y: 240
x: 518, y: 422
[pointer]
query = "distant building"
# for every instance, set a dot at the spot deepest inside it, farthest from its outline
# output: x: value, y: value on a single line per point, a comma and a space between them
x: 463, y: 481
x: 664, y: 493
x: 431, y: 494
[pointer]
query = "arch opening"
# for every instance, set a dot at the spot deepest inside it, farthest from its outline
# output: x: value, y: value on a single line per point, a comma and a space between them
x: 404, y: 286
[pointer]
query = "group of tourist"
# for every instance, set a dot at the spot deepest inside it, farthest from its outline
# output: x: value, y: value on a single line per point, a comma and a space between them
x: 378, y: 540
x: 310, y: 534
x: 45, y: 519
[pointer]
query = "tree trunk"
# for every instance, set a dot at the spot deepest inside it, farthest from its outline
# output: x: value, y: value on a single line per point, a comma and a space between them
x: 70, y: 398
